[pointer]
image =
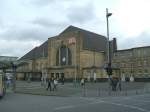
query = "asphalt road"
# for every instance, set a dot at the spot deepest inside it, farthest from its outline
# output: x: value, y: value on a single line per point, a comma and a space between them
x: 34, y: 103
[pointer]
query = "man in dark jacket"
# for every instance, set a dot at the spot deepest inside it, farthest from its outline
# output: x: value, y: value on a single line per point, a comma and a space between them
x: 49, y: 84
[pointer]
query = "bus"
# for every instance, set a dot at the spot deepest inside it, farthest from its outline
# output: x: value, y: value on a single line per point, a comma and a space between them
x: 2, y: 84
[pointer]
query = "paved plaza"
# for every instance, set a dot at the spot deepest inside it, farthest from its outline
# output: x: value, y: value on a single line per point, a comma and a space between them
x: 89, y: 90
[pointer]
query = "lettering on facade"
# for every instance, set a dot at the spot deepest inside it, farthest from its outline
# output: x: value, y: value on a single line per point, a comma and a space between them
x: 72, y: 40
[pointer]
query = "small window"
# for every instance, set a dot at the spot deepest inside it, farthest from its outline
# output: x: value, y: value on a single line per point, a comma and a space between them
x: 145, y: 63
x: 146, y: 71
x: 140, y: 71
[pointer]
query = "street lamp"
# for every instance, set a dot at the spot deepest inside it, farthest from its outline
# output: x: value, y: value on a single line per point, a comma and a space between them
x: 108, y: 52
x: 109, y: 69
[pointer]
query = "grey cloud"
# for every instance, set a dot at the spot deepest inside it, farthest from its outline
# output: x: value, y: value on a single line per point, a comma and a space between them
x: 1, y: 23
x: 45, y: 22
x: 81, y: 14
x: 53, y: 27
x: 11, y: 51
x: 24, y: 33
x: 39, y: 29
x: 41, y: 3
x: 142, y: 40
x: 38, y: 3
x: 16, y: 48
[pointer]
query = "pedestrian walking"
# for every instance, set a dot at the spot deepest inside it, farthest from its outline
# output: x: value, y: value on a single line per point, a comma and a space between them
x: 114, y: 84
x: 8, y: 82
x: 49, y: 85
x: 119, y: 84
x: 55, y: 84
x: 42, y: 81
x: 82, y: 82
x: 94, y: 77
x: 62, y: 81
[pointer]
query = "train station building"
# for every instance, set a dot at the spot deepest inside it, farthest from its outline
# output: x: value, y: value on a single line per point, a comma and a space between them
x: 73, y: 54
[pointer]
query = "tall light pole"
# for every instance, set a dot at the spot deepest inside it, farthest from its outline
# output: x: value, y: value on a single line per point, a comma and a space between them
x: 108, y: 46
x: 109, y: 69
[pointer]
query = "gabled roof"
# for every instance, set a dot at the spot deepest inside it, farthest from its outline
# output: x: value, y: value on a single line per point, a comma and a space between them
x: 91, y: 40
x: 37, y: 52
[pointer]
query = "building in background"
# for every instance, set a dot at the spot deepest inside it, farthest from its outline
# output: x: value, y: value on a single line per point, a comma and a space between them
x: 6, y: 64
x: 134, y: 63
x: 73, y: 54
x: 8, y: 59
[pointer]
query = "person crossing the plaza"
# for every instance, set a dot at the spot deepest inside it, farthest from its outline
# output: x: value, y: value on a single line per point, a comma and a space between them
x: 49, y: 85
x: 82, y: 82
x: 55, y: 84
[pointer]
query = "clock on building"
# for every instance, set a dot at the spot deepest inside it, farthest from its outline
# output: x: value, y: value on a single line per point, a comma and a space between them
x: 64, y: 59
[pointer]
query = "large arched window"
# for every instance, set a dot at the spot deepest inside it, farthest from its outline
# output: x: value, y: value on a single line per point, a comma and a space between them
x: 63, y: 56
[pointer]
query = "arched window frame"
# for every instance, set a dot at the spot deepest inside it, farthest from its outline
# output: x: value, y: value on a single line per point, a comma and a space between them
x: 59, y: 57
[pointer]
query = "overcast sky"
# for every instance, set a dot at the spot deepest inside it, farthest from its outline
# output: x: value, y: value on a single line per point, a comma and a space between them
x: 25, y: 24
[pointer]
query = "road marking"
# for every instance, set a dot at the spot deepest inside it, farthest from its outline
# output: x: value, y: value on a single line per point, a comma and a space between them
x: 96, y: 102
x: 79, y: 105
x: 129, y: 106
x: 101, y: 100
x: 135, y: 100
x: 64, y: 107
x: 132, y: 98
x: 118, y: 104
x: 142, y: 101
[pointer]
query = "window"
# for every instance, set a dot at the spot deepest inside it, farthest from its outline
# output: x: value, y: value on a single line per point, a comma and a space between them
x: 145, y: 63
x: 63, y: 56
x: 140, y: 71
x: 57, y: 58
x: 125, y: 64
x: 123, y: 71
x: 138, y: 53
x: 139, y: 63
x: 145, y: 52
x: 52, y: 75
x: 145, y: 71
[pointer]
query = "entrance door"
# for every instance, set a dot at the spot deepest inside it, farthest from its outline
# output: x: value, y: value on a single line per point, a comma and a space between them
x: 57, y: 75
x: 52, y: 75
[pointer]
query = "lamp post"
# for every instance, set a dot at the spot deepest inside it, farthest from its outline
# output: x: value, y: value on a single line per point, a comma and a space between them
x: 108, y: 49
x: 109, y: 69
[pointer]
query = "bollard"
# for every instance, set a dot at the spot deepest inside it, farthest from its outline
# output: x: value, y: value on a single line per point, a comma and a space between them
x: 136, y: 92
x: 99, y: 92
x: 108, y: 92
x: 117, y: 93
x: 147, y: 90
x: 84, y: 92
x: 126, y: 93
